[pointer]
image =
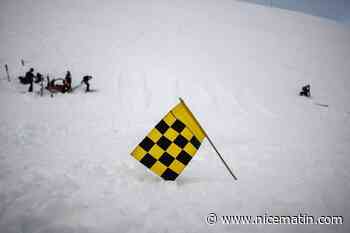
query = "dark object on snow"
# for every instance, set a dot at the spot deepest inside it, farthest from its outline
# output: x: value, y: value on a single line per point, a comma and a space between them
x: 86, y: 80
x: 59, y: 84
x: 305, y: 91
x: 322, y: 105
x: 48, y: 85
x: 68, y: 82
x: 23, y: 80
x: 7, y: 72
x: 30, y: 89
x: 38, y: 78
x: 28, y: 79
x: 56, y: 85
x: 47, y: 82
x: 42, y: 86
x: 30, y: 74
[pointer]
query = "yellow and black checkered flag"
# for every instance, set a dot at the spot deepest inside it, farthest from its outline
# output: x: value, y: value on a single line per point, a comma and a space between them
x: 171, y: 144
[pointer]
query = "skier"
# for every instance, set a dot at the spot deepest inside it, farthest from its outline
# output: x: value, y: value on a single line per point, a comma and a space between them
x: 67, y: 82
x: 305, y: 91
x: 86, y: 82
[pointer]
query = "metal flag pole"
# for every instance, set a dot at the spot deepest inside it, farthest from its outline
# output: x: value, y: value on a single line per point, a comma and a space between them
x: 222, y: 160
x: 210, y: 141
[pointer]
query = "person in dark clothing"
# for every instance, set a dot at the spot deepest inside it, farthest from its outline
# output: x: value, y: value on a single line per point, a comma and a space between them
x: 30, y: 78
x: 30, y: 74
x: 67, y: 82
x: 86, y: 80
x: 305, y: 91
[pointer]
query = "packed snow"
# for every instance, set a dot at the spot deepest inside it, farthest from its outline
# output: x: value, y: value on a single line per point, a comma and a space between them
x: 65, y: 163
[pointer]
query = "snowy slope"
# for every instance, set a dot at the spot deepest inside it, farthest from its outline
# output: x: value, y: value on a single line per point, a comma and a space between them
x: 64, y: 161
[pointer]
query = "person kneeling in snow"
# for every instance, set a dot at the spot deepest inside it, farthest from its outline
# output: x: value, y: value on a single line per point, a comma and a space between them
x: 305, y: 91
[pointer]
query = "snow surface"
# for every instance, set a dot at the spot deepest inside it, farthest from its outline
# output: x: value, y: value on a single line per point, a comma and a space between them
x: 65, y: 163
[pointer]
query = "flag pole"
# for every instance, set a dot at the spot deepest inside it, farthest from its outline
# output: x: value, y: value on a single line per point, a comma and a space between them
x: 210, y: 141
x: 222, y: 160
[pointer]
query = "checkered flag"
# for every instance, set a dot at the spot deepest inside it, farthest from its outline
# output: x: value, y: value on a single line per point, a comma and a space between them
x: 172, y: 143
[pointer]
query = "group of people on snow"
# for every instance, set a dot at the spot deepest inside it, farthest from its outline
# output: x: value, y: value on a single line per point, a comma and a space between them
x: 66, y: 87
x: 53, y: 85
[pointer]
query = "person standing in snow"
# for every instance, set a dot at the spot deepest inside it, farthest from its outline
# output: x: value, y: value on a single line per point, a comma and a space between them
x: 67, y: 82
x: 30, y: 78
